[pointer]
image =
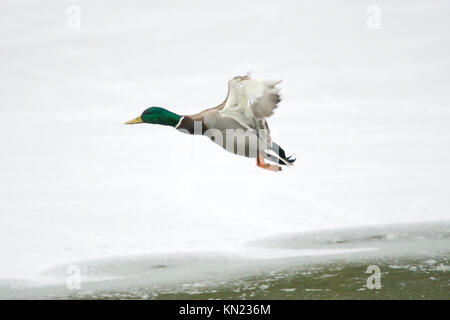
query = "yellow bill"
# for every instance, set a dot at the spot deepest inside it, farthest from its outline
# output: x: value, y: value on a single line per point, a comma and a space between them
x: 134, y: 121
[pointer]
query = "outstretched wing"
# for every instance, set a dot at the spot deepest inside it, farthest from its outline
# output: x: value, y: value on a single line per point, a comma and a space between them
x: 249, y: 101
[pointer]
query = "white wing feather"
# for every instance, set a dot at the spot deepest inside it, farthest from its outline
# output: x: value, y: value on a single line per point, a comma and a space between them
x: 250, y: 100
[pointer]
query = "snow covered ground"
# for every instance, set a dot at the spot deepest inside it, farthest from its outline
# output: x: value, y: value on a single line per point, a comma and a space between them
x: 366, y: 112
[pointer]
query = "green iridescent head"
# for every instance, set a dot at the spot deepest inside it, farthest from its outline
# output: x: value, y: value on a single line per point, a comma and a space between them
x: 157, y: 115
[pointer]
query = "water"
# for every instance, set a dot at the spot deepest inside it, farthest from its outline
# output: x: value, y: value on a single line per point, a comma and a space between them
x: 295, y: 266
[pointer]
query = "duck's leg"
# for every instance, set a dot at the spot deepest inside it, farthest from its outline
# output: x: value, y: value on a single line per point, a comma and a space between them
x: 260, y: 163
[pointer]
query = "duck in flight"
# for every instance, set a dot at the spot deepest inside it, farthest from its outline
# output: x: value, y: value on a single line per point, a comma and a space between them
x: 238, y: 124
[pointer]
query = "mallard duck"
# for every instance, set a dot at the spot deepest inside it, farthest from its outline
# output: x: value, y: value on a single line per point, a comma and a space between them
x: 238, y: 124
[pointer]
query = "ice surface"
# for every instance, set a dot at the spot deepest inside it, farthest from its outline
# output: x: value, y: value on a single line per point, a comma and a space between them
x: 415, y: 247
x: 366, y: 113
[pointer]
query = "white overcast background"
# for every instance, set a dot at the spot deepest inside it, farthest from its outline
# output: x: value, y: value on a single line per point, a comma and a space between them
x: 365, y: 111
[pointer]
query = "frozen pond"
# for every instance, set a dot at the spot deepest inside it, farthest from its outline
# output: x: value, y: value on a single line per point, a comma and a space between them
x: 422, y: 250
x: 366, y: 112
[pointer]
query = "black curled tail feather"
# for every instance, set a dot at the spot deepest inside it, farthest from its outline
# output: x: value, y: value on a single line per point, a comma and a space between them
x: 288, y: 159
x: 281, y: 154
